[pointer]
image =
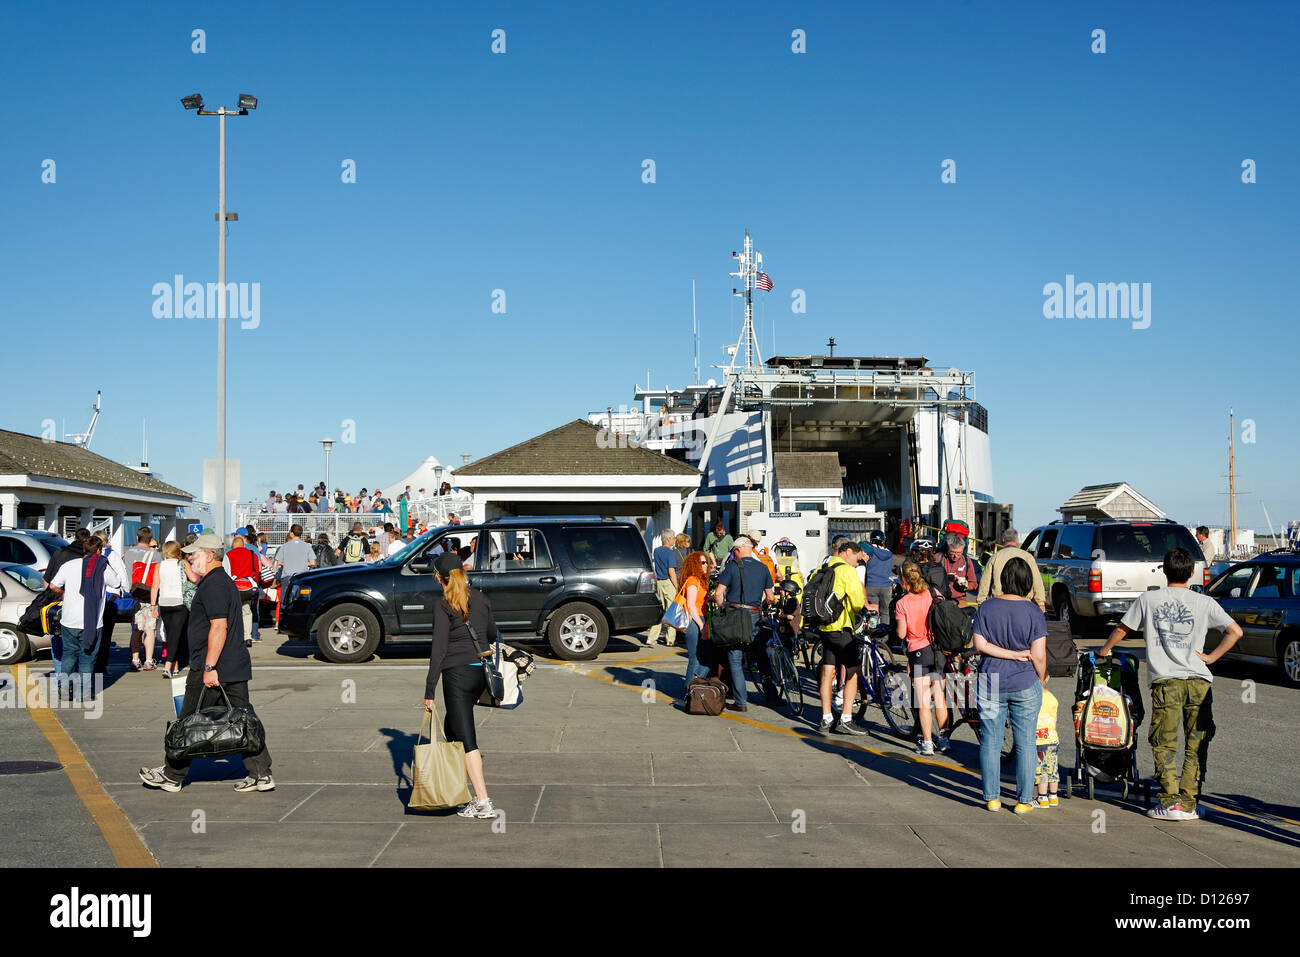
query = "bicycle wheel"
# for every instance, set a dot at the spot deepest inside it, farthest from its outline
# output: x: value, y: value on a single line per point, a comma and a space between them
x: 792, y: 685
x: 894, y: 696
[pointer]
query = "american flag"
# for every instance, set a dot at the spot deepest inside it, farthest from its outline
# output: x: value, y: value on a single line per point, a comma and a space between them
x: 763, y: 282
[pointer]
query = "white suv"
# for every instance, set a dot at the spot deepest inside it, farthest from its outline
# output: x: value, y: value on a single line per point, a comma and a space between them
x: 1093, y: 571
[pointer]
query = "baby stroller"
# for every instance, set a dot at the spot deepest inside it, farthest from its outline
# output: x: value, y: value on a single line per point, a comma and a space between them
x: 1107, y: 713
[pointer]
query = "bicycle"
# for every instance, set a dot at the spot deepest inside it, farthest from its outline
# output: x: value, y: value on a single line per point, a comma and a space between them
x: 884, y: 682
x: 785, y: 676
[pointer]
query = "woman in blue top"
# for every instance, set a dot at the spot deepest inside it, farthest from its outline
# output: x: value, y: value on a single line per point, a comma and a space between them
x: 1010, y: 633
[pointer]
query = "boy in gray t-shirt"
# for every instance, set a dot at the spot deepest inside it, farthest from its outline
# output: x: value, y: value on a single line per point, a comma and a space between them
x: 1175, y: 620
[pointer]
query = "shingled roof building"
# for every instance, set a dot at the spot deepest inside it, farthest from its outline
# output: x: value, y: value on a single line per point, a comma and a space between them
x: 579, y: 469
x: 56, y: 486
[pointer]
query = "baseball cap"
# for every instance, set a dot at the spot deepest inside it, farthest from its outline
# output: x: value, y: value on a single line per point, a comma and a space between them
x: 206, y: 540
x: 447, y: 562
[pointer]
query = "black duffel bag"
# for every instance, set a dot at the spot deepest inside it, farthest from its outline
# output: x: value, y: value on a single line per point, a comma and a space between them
x: 214, y: 733
x: 731, y: 627
x: 30, y: 620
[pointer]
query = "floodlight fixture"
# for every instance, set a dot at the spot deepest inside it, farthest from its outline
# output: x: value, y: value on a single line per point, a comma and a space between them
x: 192, y: 102
x: 247, y: 101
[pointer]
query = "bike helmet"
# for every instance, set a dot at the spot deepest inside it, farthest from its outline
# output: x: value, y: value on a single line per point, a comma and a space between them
x: 876, y: 537
x: 923, y: 544
x: 789, y: 586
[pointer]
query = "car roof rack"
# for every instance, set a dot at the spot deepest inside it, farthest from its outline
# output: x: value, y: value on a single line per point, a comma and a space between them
x: 534, y: 519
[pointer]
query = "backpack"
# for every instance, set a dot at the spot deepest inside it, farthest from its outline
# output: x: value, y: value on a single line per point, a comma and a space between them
x: 950, y: 627
x: 355, y: 549
x: 821, y: 606
x: 142, y: 575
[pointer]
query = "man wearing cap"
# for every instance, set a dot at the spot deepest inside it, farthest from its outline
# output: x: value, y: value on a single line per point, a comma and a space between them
x: 879, y: 562
x: 218, y: 660
x: 748, y: 582
x: 991, y: 583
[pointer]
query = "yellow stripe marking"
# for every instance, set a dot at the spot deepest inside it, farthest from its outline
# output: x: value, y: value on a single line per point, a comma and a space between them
x: 122, y: 840
x: 790, y: 732
x: 851, y: 746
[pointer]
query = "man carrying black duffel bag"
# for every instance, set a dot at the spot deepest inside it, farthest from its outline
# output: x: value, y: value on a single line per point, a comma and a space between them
x: 219, y: 661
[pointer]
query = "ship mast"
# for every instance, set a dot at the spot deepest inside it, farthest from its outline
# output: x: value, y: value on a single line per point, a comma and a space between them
x: 748, y: 263
x: 1232, y: 486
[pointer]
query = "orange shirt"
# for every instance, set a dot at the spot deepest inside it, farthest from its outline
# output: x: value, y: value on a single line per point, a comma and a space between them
x: 766, y: 559
x: 701, y: 588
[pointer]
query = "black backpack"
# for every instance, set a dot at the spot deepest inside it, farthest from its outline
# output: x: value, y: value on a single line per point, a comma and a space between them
x: 950, y: 627
x: 821, y: 606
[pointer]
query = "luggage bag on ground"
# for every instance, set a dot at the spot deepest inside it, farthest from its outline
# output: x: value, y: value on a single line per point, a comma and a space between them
x: 1062, y: 652
x: 706, y: 696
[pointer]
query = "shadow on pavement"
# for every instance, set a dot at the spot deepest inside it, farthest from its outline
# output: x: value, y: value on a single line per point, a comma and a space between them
x: 1262, y: 819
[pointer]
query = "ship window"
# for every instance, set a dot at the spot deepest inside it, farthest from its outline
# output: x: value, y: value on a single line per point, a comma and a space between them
x: 807, y: 506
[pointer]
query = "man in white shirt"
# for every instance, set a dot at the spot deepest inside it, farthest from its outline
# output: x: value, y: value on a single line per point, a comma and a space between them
x: 395, y: 543
x: 78, y: 659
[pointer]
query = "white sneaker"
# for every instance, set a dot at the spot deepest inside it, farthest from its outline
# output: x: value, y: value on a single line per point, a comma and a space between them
x: 479, y: 809
x: 925, y: 749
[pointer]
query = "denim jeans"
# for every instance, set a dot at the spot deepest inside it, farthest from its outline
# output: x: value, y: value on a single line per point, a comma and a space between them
x: 693, y: 667
x: 78, y: 665
x: 736, y: 661
x: 1022, y: 707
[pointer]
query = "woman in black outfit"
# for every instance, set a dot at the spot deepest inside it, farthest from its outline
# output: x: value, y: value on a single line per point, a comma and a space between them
x: 455, y: 660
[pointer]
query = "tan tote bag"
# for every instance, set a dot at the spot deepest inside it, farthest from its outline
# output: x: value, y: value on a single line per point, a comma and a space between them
x: 438, y: 776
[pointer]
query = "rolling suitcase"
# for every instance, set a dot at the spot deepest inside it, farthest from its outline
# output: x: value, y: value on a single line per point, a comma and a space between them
x: 1062, y: 653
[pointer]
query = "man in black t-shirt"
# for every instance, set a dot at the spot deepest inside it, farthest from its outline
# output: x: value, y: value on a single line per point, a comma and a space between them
x: 218, y: 658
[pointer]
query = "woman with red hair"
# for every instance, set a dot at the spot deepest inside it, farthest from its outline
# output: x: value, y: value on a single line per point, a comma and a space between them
x: 694, y: 586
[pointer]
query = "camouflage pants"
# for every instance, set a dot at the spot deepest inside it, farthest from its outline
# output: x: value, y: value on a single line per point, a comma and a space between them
x: 1185, y: 703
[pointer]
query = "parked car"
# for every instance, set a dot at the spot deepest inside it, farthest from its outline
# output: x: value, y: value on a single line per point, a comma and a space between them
x: 29, y: 547
x: 19, y: 586
x: 1093, y: 571
x: 575, y: 580
x: 1263, y: 596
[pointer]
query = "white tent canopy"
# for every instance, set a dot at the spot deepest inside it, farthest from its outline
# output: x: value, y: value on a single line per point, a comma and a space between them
x: 426, y: 477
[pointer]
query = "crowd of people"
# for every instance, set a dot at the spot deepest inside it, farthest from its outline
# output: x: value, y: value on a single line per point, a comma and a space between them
x: 1008, y: 632
x: 206, y: 598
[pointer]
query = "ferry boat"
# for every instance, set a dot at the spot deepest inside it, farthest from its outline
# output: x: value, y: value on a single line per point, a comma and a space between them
x: 870, y: 442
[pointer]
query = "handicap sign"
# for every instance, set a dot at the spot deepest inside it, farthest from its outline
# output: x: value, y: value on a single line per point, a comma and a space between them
x: 196, y: 529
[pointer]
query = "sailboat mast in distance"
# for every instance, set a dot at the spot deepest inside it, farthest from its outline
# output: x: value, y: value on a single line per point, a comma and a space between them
x: 1232, y: 485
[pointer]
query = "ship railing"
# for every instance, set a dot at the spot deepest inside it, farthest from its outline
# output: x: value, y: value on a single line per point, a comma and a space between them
x: 429, y: 512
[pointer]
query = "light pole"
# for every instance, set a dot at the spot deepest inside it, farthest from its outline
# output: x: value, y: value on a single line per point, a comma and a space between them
x: 328, y: 443
x: 246, y: 102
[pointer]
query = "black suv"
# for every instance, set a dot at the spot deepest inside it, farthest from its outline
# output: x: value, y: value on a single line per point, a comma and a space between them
x: 576, y: 580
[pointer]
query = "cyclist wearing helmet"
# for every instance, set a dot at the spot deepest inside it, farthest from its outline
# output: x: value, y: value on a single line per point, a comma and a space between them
x: 932, y: 573
x: 879, y: 567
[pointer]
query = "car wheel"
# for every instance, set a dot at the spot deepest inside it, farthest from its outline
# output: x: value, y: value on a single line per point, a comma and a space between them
x: 347, y: 634
x: 578, y: 631
x: 1065, y: 612
x: 13, y: 644
x: 1288, y: 656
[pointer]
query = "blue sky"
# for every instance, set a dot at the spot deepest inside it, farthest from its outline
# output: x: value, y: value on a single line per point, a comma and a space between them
x: 522, y: 172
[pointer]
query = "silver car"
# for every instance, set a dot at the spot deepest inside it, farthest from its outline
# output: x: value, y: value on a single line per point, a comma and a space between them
x: 19, y: 586
x: 1093, y: 571
x: 29, y: 547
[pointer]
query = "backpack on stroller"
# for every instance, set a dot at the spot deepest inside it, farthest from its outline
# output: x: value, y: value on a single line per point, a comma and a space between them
x: 1107, y: 712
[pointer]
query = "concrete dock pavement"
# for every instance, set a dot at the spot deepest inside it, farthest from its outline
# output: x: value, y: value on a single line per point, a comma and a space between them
x: 600, y: 767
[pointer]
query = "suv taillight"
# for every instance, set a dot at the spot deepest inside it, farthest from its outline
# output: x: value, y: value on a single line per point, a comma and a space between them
x: 646, y: 584
x: 1094, y: 580
x: 1207, y: 576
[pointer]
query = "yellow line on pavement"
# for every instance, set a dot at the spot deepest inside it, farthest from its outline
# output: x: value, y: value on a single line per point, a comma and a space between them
x: 123, y: 841
x: 851, y: 746
x: 791, y: 732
